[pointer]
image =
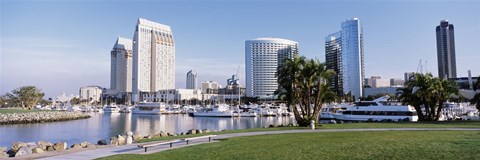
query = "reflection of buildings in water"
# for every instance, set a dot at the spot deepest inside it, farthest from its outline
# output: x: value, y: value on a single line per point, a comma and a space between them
x: 146, y: 124
x: 128, y: 122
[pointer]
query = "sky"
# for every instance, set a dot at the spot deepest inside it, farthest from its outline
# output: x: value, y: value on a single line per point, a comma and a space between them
x: 60, y: 45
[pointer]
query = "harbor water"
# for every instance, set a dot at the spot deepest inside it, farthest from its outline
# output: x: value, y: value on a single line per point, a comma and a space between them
x: 105, y: 125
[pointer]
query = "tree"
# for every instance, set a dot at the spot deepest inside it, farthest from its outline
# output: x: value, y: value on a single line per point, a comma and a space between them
x: 303, y: 85
x: 476, y: 98
x: 427, y: 94
x: 26, y: 96
x: 75, y: 100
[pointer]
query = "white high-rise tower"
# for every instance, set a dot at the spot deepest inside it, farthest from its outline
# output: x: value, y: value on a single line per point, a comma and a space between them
x: 153, y: 58
x: 353, y: 70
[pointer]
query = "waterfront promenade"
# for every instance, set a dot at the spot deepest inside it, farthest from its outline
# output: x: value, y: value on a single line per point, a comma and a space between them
x: 133, y: 149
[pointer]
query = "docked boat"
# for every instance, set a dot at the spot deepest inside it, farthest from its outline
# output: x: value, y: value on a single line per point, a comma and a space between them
x: 326, y: 113
x: 377, y: 110
x: 245, y: 114
x: 126, y: 109
x: 149, y: 108
x: 215, y: 111
x: 112, y: 108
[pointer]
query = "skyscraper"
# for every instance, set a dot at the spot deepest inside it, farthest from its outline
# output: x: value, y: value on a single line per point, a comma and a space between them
x: 153, y: 58
x: 447, y: 64
x: 344, y: 54
x: 121, y: 65
x: 333, y: 60
x: 353, y: 69
x: 191, y: 80
x: 262, y: 57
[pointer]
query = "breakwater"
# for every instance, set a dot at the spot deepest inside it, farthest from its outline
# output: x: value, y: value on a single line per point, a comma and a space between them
x: 40, y: 117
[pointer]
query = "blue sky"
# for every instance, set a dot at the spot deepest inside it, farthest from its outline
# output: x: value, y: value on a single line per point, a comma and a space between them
x: 61, y: 46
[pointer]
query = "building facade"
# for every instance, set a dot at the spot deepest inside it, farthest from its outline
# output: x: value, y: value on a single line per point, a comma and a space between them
x: 153, y: 58
x: 90, y: 93
x: 121, y: 65
x: 262, y: 57
x: 191, y: 80
x: 210, y: 87
x: 353, y: 69
x: 447, y: 64
x: 333, y: 60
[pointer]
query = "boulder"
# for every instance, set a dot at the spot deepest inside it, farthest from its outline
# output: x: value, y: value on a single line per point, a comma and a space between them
x: 23, y: 151
x: 182, y: 133
x: 102, y: 142
x: 3, y: 155
x: 137, y: 137
x: 37, y: 150
x: 17, y: 145
x: 271, y: 126
x: 44, y: 145
x: 50, y: 148
x: 3, y: 149
x: 206, y: 131
x: 60, y: 146
x: 192, y: 131
x: 84, y: 144
x: 121, y: 140
x: 76, y: 146
x: 113, y: 141
x: 148, y: 137
x: 199, y: 131
x: 91, y: 146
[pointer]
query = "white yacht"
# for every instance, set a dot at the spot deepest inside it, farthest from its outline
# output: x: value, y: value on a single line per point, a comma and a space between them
x: 221, y: 110
x: 326, y: 113
x: 377, y: 110
x: 149, y: 108
x: 112, y: 108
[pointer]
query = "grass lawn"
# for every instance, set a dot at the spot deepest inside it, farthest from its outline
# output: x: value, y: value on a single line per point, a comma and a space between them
x: 444, y: 124
x: 16, y: 110
x: 340, y: 145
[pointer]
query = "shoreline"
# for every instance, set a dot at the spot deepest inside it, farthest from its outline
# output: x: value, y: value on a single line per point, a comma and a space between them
x: 40, y: 117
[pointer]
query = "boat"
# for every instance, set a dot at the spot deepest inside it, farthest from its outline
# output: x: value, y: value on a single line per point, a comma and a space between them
x: 377, y: 110
x: 149, y: 108
x: 112, y: 108
x: 126, y: 109
x: 249, y: 113
x: 221, y: 110
x: 326, y: 113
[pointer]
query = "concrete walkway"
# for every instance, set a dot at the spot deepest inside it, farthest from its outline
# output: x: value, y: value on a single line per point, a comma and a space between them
x: 133, y: 149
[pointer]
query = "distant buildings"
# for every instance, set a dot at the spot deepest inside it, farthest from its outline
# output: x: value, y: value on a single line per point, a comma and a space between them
x: 121, y: 65
x: 262, y: 57
x: 153, y: 59
x: 350, y: 63
x: 447, y: 65
x: 380, y: 90
x: 191, y: 80
x: 90, y: 93
x: 394, y: 82
x: 408, y: 75
x: 210, y: 87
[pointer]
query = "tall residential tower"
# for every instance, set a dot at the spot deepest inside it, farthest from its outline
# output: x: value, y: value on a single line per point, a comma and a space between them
x: 447, y: 64
x: 153, y: 58
x: 333, y: 60
x: 121, y: 66
x: 262, y: 57
x: 191, y: 80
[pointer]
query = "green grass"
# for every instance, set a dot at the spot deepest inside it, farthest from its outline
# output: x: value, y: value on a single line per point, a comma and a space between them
x: 16, y: 110
x: 340, y: 145
x: 445, y: 124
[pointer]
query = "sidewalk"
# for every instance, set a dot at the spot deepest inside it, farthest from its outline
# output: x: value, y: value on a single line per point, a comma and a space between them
x: 133, y: 149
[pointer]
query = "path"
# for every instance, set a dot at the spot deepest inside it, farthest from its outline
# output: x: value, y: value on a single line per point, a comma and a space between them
x: 133, y: 149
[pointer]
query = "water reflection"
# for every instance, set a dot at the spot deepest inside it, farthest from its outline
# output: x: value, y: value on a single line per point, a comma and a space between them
x: 105, y: 125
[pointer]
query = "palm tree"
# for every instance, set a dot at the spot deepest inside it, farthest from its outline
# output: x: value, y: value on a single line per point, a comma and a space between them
x: 303, y: 84
x: 428, y: 95
x: 476, y: 98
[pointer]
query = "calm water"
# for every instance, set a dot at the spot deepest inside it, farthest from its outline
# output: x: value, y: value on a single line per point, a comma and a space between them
x: 106, y: 125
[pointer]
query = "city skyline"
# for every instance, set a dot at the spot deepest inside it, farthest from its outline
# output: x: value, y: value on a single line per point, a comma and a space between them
x: 70, y: 45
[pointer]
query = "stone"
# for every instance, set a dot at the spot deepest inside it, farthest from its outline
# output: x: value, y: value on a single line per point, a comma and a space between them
x: 17, y: 145
x: 148, y: 137
x: 192, y: 131
x: 137, y: 137
x: 3, y: 155
x: 44, y: 145
x: 31, y: 144
x: 182, y: 133
x: 84, y: 144
x: 37, y: 150
x: 76, y: 146
x: 271, y: 126
x: 102, y: 142
x: 113, y: 141
x: 206, y: 131
x: 199, y: 131
x: 129, y: 133
x: 91, y: 146
x: 129, y: 140
x: 3, y: 149
x: 163, y: 134
x: 121, y: 140
x: 169, y: 134
x: 60, y: 146
x: 23, y: 151
x: 50, y: 148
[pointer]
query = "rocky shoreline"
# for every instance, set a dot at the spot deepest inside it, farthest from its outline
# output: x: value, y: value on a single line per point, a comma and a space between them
x: 40, y: 117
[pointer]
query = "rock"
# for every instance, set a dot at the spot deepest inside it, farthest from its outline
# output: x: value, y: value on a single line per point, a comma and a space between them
x: 50, y: 148
x: 44, y: 145
x: 281, y: 125
x: 91, y: 146
x: 113, y: 141
x: 199, y: 131
x: 271, y: 126
x: 163, y: 134
x: 84, y: 144
x: 192, y: 131
x: 102, y: 142
x: 37, y: 150
x: 60, y: 146
x: 182, y: 133
x: 3, y: 155
x: 148, y: 137
x: 169, y: 134
x: 76, y: 146
x: 3, y: 149
x: 206, y: 131
x: 17, y: 145
x: 23, y: 151
x: 129, y: 140
x: 31, y: 144
x: 121, y: 140
x: 265, y: 126
x: 137, y: 137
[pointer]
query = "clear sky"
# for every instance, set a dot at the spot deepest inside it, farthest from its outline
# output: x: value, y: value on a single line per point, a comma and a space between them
x: 61, y: 46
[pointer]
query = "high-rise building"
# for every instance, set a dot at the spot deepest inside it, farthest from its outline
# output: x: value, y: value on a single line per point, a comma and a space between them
x: 350, y: 61
x: 262, y: 57
x: 191, y: 80
x: 447, y: 64
x: 333, y: 60
x: 153, y: 58
x: 210, y: 87
x: 408, y: 76
x: 121, y: 65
